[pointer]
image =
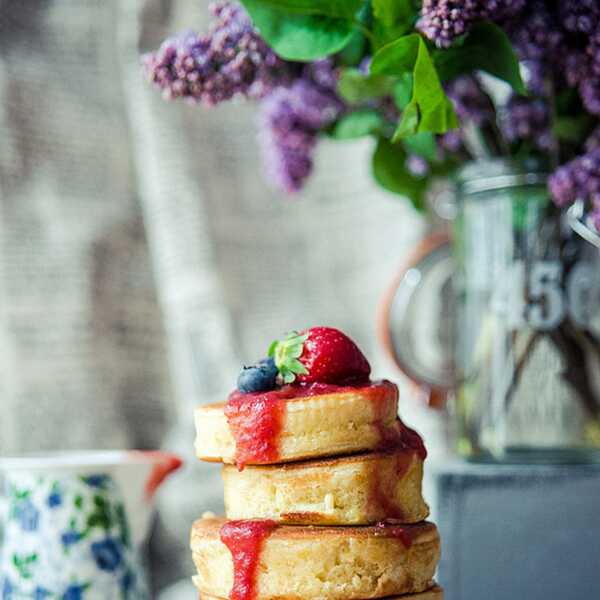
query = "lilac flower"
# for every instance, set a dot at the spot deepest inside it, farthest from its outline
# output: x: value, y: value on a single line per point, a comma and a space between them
x: 291, y: 119
x: 578, y: 179
x: 593, y: 140
x: 589, y: 90
x: 470, y: 101
x: 528, y: 119
x: 579, y: 16
x: 451, y: 141
x: 417, y: 166
x: 230, y: 59
x: 442, y: 21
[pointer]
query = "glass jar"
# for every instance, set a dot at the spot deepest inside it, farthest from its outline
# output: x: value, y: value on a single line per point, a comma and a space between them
x: 527, y: 323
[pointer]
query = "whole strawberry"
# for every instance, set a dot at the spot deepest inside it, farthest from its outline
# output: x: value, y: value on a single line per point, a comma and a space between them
x: 319, y: 354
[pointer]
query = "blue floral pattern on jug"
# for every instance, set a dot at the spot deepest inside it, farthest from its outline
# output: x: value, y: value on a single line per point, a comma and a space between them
x: 68, y: 539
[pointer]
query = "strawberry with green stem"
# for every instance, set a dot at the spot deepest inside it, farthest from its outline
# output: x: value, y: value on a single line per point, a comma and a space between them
x: 319, y: 354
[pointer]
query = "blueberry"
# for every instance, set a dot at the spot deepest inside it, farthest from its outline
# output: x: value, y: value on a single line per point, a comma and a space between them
x: 260, y: 377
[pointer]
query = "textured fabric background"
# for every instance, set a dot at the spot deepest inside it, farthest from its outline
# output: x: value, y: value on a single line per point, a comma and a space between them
x: 142, y: 256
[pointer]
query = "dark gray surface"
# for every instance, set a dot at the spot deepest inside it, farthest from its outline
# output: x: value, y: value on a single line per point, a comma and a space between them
x: 518, y: 532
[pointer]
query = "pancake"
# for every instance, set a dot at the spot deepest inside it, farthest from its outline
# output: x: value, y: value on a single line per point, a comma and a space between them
x: 328, y: 563
x: 344, y: 422
x: 435, y: 593
x: 351, y: 490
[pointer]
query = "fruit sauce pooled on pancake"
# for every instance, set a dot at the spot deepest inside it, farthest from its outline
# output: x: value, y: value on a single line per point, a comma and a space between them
x: 244, y: 539
x: 317, y: 361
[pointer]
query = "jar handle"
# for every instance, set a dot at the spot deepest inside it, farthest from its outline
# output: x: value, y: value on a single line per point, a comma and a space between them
x: 401, y: 316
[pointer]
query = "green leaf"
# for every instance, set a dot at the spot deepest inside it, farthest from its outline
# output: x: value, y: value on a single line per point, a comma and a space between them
x: 327, y: 8
x: 286, y: 353
x: 355, y: 87
x: 358, y: 124
x: 303, y: 30
x: 391, y: 12
x: 397, y: 57
x: 392, y: 19
x: 429, y: 108
x: 403, y: 90
x: 486, y: 48
x: 572, y: 129
x: 389, y: 170
x: 354, y: 50
x: 423, y: 144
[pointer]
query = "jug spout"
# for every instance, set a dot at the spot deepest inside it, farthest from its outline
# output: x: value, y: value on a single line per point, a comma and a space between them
x: 163, y: 464
x: 139, y: 476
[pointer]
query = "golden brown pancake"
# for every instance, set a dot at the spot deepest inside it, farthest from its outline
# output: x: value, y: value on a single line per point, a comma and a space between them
x: 351, y: 490
x: 350, y: 421
x: 328, y: 563
x: 435, y: 593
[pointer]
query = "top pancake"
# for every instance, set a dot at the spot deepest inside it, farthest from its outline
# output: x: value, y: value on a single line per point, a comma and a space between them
x: 345, y: 422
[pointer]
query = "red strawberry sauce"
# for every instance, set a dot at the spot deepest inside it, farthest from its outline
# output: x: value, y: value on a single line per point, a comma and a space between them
x: 244, y: 539
x: 255, y: 419
x: 401, y: 445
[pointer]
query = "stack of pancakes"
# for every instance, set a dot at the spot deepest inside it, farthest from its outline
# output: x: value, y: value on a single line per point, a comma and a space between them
x: 337, y: 513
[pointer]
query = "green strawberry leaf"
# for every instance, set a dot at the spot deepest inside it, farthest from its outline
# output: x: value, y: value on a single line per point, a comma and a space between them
x: 286, y: 353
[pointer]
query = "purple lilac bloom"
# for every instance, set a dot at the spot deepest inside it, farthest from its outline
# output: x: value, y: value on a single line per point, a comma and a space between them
x: 593, y: 140
x: 579, y: 16
x: 417, y: 166
x: 470, y: 101
x: 442, y: 21
x: 589, y: 90
x: 230, y: 59
x: 528, y: 119
x: 291, y: 119
x: 536, y: 37
x: 578, y: 179
x: 451, y: 141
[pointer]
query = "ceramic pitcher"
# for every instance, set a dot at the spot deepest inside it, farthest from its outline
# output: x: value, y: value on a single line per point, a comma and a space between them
x: 73, y: 525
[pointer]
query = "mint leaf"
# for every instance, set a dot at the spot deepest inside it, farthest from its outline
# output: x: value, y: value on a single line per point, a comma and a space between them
x: 486, y: 48
x: 355, y: 87
x: 429, y: 108
x: 304, y: 30
x: 389, y: 170
x: 357, y: 124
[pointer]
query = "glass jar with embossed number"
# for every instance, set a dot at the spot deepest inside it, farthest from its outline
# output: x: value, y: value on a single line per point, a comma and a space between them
x: 527, y: 326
